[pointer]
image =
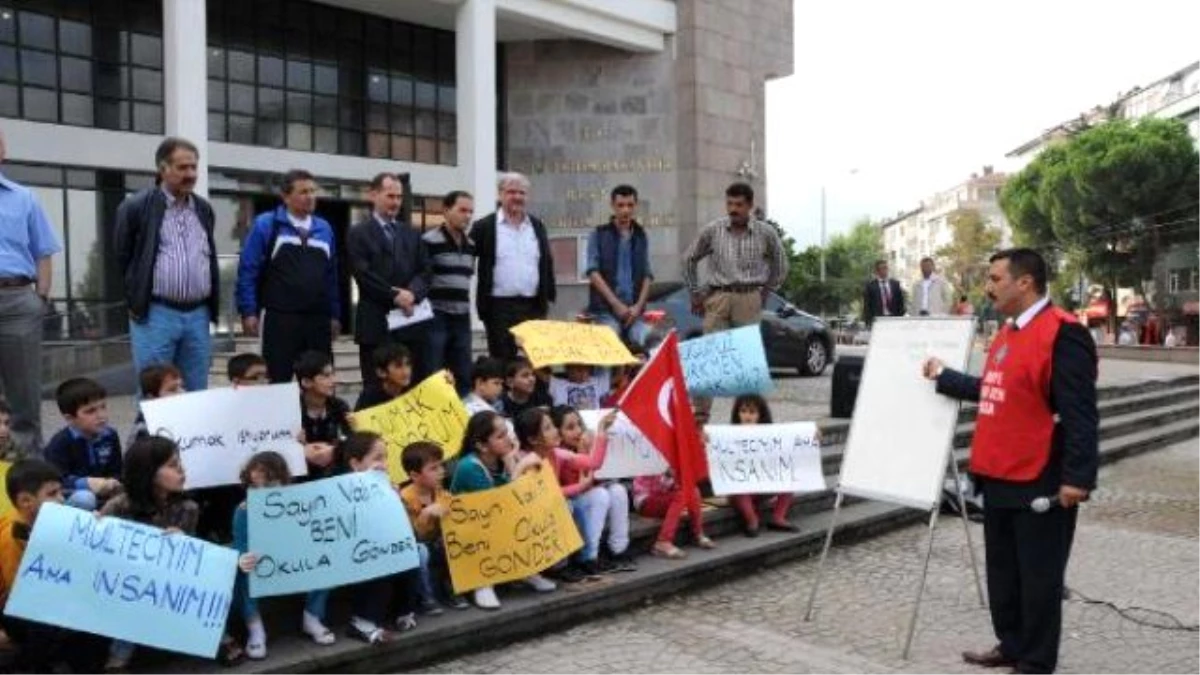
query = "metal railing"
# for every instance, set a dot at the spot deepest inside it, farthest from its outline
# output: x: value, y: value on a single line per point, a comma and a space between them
x: 76, y: 320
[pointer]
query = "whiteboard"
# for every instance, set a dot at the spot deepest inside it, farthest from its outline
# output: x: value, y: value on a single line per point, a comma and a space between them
x: 901, y: 432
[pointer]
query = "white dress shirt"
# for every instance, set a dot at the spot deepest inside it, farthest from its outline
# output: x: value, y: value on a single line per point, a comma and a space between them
x: 1028, y: 314
x: 303, y: 224
x: 517, y: 257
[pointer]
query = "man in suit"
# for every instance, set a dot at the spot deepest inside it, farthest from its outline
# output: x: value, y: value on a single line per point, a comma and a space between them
x: 391, y: 265
x: 514, y: 281
x: 1034, y: 470
x: 930, y: 293
x: 882, y: 296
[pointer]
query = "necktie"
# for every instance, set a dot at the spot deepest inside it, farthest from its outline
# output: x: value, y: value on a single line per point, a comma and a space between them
x: 886, y: 294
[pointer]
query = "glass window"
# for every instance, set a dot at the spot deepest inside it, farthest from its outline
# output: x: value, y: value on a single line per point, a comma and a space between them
x: 269, y: 132
x: 350, y: 143
x: 38, y: 68
x: 377, y: 86
x: 8, y: 101
x: 148, y: 118
x: 40, y: 104
x: 270, y: 103
x: 377, y: 117
x: 112, y: 80
x: 146, y: 50
x: 325, y: 110
x: 77, y: 109
x: 350, y: 113
x: 241, y: 129
x: 85, y: 254
x: 76, y: 74
x: 75, y: 37
x: 402, y: 148
x: 241, y: 98
x: 216, y: 62
x: 325, y: 80
x: 216, y: 95
x: 426, y: 124
x: 270, y: 71
x: 241, y: 66
x: 299, y: 136
x: 426, y: 151
x: 37, y: 30
x: 112, y: 114
x: 377, y: 145
x: 216, y: 126
x: 299, y: 107
x: 447, y: 98
x: 326, y: 140
x: 231, y: 218
x: 8, y: 25
x: 426, y: 96
x: 51, y: 199
x: 8, y: 64
x: 147, y: 84
x: 402, y: 120
x: 402, y: 91
x: 299, y: 75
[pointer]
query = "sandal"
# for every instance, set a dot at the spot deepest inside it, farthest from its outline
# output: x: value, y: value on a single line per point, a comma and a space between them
x: 374, y: 636
x: 230, y: 654
x: 667, y: 550
x: 704, y: 542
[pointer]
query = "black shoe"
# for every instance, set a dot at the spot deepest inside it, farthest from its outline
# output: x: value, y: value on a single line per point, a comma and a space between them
x: 458, y: 602
x: 782, y: 526
x: 590, y: 570
x: 605, y: 566
x: 750, y: 531
x: 567, y: 575
x: 624, y: 563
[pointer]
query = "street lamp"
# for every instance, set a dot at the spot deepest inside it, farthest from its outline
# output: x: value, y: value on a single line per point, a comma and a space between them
x: 851, y: 172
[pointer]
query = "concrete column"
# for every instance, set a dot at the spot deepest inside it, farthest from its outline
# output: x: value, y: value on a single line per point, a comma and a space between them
x: 185, y: 73
x: 475, y: 75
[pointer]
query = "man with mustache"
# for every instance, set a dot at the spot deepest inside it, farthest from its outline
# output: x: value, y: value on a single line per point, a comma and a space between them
x: 165, y: 249
x: 1035, y: 455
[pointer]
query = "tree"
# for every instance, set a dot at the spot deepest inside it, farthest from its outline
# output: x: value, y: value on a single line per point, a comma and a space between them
x: 849, y: 259
x: 964, y: 260
x: 1112, y: 198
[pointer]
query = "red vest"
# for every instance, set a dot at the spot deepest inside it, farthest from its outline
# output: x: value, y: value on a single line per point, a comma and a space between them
x: 1015, y: 424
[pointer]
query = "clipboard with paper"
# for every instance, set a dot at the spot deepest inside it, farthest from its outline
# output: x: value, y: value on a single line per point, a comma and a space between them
x: 422, y: 311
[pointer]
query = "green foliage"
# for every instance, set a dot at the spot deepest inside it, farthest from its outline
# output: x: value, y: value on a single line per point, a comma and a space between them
x: 964, y: 260
x: 849, y: 259
x: 1111, y: 198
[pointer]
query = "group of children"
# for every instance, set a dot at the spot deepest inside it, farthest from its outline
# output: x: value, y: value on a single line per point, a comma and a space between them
x: 522, y: 420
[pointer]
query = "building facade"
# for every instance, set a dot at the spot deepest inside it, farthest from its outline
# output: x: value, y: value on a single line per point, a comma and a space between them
x: 667, y: 96
x: 921, y: 232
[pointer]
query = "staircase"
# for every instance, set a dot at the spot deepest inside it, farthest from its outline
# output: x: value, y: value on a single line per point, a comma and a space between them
x: 1133, y: 419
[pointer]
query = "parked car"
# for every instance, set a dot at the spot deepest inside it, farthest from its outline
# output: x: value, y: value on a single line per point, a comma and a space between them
x: 793, y: 339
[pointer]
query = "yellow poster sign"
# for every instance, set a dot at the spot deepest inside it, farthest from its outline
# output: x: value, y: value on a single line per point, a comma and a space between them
x: 551, y: 343
x: 5, y: 505
x: 508, y: 533
x: 431, y: 411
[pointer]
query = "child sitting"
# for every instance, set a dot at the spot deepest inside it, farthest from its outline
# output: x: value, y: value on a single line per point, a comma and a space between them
x: 158, y: 381
x: 522, y: 390
x: 427, y: 502
x: 488, y: 460
x: 582, y: 389
x: 268, y: 470
x: 87, y: 451
x: 393, y: 368
x: 371, y: 600
x: 487, y: 386
x: 753, y: 409
x: 246, y: 370
x: 622, y: 376
x: 664, y: 497
x: 539, y: 436
x: 574, y: 437
x: 153, y: 478
x: 323, y: 416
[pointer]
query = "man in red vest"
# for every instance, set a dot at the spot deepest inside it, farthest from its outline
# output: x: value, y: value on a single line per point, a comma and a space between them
x: 1035, y: 455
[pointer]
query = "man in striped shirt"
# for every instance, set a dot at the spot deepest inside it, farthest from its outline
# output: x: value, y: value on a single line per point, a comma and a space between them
x: 453, y: 256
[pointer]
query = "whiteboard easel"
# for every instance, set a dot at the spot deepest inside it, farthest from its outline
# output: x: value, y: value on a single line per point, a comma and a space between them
x: 874, y: 465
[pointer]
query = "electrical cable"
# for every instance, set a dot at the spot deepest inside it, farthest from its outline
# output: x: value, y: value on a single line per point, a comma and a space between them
x: 1126, y: 613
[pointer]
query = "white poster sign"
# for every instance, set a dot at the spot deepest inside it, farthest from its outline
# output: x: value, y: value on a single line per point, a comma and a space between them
x: 219, y: 429
x: 629, y: 453
x: 764, y: 458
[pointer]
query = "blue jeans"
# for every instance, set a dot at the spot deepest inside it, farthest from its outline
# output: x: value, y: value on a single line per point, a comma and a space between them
x: 590, y: 510
x: 449, y: 346
x: 179, y: 338
x: 635, y: 333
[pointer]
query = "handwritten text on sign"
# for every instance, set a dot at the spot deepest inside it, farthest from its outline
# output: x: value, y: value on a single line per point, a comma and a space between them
x: 729, y: 363
x: 508, y: 533
x: 764, y: 458
x: 550, y: 343
x: 328, y: 533
x: 431, y: 411
x: 219, y: 429
x: 630, y: 454
x: 124, y: 580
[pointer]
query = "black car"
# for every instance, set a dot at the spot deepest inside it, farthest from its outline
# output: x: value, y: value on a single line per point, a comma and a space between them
x: 792, y: 338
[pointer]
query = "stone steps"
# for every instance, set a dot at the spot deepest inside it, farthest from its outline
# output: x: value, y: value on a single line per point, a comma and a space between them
x: 1134, y: 419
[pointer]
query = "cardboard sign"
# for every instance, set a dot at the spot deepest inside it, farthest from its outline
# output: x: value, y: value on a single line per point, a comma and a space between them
x: 629, y: 454
x: 728, y: 363
x: 431, y: 411
x: 328, y: 533
x: 124, y: 580
x: 219, y: 429
x: 508, y: 533
x: 551, y: 343
x: 5, y: 504
x: 764, y: 458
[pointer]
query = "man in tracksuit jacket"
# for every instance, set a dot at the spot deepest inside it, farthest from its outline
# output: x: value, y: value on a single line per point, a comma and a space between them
x: 288, y: 272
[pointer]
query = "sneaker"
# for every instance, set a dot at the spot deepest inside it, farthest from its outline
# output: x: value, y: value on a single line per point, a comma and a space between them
x: 430, y: 608
x: 485, y: 598
x: 540, y: 583
x: 605, y: 565
x: 624, y: 562
x: 568, y: 574
x: 256, y: 650
x: 406, y: 622
x: 590, y: 570
x: 459, y: 602
x: 368, y: 632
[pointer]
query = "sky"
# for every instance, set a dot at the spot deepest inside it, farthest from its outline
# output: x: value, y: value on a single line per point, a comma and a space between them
x: 892, y: 101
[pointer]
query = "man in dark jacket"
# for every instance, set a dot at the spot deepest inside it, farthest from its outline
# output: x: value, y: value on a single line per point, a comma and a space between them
x: 392, y: 268
x: 618, y: 269
x: 288, y: 271
x: 515, y: 276
x: 882, y: 295
x: 1035, y: 453
x: 165, y: 249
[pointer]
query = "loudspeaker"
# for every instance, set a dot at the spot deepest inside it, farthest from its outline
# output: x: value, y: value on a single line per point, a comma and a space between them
x: 847, y: 373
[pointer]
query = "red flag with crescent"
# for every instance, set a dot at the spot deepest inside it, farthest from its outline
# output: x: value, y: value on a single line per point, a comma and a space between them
x: 657, y: 404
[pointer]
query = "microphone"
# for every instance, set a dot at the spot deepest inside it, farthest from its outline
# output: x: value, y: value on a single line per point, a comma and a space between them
x: 1045, y: 504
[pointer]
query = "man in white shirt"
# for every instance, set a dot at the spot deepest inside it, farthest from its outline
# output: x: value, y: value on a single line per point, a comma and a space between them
x: 931, y: 293
x: 514, y: 282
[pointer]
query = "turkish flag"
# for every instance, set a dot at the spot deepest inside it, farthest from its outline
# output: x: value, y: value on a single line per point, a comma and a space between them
x: 657, y: 404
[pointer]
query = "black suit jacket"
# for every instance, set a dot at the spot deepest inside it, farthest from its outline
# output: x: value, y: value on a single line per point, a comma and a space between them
x: 1075, y: 447
x: 873, y: 300
x: 483, y: 234
x: 380, y: 265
